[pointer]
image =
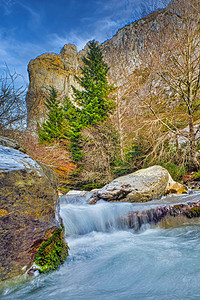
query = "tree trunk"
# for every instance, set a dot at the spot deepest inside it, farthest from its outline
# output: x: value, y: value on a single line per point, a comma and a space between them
x: 120, y: 128
x: 192, y: 143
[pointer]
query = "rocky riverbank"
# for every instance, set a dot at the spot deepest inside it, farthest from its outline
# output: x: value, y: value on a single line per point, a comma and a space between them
x: 30, y: 225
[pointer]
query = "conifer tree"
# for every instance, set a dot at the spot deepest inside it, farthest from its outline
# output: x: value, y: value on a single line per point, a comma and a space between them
x: 54, y: 126
x: 93, y: 98
x: 91, y: 105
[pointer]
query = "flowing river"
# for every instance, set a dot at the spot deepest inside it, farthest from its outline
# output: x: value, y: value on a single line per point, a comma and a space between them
x: 109, y: 261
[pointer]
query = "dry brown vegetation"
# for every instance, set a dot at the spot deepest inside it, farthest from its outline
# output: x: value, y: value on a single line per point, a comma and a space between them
x: 55, y: 155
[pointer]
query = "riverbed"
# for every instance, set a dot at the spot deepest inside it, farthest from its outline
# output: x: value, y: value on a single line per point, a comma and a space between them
x: 110, y: 261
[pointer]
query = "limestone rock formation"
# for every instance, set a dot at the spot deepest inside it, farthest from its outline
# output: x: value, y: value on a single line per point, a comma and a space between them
x: 49, y: 70
x: 140, y: 186
x: 28, y: 213
x: 121, y: 53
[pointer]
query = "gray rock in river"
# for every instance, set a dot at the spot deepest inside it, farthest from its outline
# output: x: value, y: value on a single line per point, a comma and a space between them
x: 140, y: 186
x: 28, y: 215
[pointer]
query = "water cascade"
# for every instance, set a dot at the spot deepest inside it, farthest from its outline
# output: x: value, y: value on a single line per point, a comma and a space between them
x: 117, y: 252
x: 80, y: 218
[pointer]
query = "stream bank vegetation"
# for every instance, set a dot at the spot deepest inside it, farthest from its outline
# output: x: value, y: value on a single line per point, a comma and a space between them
x: 156, y: 119
x: 171, y: 88
x: 85, y: 123
x: 103, y: 131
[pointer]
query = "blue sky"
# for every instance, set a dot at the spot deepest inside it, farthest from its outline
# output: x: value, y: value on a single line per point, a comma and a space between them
x: 29, y: 28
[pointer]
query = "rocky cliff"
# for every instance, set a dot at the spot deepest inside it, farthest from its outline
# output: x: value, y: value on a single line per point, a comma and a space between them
x: 30, y: 225
x: 48, y: 70
x: 58, y: 70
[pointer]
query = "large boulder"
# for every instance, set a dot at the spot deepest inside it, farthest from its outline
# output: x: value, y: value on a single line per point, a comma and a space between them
x: 141, y: 186
x: 30, y: 226
x: 171, y: 212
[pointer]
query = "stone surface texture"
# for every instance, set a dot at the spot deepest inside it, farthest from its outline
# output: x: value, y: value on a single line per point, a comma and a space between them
x: 46, y: 71
x: 141, y: 186
x: 28, y: 210
x: 168, y: 212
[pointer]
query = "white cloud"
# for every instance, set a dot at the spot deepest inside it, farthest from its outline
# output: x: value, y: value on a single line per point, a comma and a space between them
x: 124, y: 9
x: 16, y: 55
x: 7, y: 6
x: 100, y: 30
x: 35, y: 19
x: 57, y: 42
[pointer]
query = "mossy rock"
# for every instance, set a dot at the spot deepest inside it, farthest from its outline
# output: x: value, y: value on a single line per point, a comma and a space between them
x: 193, y: 213
x: 52, y: 253
x: 28, y: 209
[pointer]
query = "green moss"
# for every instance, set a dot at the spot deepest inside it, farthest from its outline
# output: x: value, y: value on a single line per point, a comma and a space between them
x: 52, y: 253
x: 193, y: 213
x: 176, y: 171
x: 196, y: 175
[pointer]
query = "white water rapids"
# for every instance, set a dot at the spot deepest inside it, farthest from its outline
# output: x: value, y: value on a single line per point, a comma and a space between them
x: 109, y: 261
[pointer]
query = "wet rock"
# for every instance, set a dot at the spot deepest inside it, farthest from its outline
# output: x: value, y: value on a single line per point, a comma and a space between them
x: 166, y: 215
x: 141, y: 186
x: 28, y: 210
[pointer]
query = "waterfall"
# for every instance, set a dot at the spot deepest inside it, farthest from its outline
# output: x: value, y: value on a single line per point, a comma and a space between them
x: 81, y: 218
x: 102, y: 217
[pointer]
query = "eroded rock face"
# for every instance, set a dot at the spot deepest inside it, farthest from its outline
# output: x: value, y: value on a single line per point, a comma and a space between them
x: 141, y: 186
x: 121, y: 53
x: 28, y: 216
x: 46, y: 71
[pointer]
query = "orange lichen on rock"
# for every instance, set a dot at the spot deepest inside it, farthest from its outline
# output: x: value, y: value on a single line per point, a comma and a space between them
x: 3, y: 212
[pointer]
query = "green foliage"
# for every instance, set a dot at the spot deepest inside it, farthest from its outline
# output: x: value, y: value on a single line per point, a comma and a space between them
x: 196, y: 175
x: 54, y: 126
x: 193, y: 213
x: 91, y: 105
x: 52, y: 253
x: 176, y: 171
x: 93, y: 99
x: 74, y: 125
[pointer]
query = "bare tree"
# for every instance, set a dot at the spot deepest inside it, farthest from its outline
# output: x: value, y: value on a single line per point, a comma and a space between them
x: 12, y: 102
x: 171, y: 90
x: 101, y: 150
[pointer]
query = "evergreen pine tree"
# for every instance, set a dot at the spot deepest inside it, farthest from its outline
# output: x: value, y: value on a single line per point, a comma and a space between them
x: 91, y: 104
x: 54, y: 126
x: 74, y: 125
